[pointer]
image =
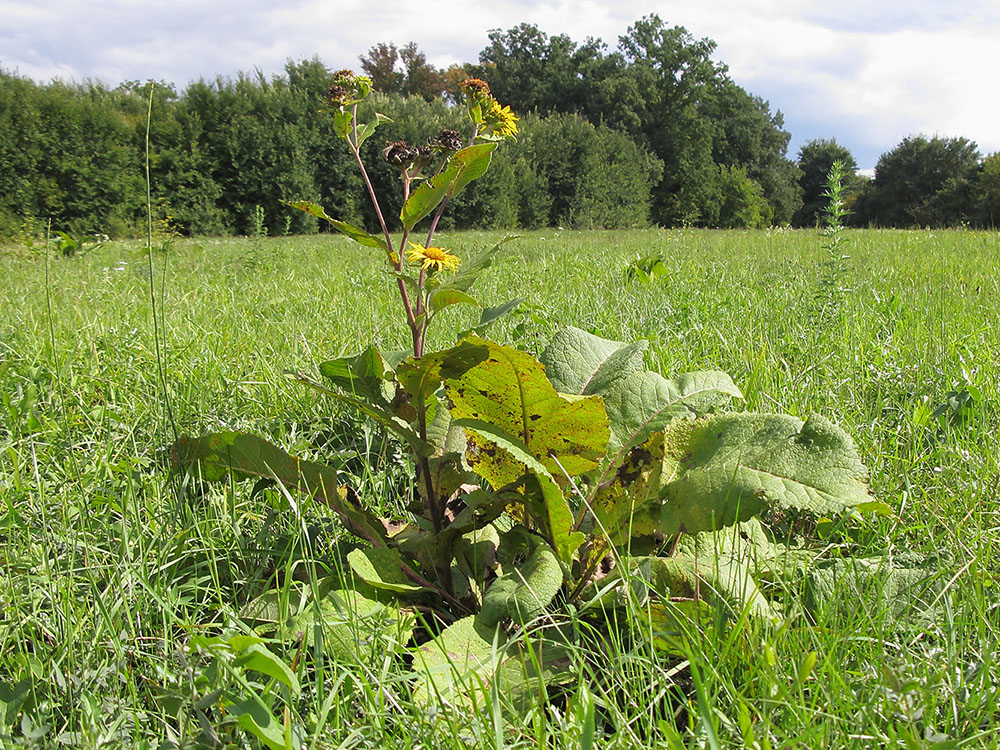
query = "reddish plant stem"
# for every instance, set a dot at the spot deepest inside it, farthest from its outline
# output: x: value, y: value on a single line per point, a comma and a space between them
x: 410, y: 317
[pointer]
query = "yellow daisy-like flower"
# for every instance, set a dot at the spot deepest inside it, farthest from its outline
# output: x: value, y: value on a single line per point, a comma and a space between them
x: 505, y: 121
x: 432, y: 258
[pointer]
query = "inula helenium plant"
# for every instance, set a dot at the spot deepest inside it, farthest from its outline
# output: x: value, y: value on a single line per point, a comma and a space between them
x: 542, y: 485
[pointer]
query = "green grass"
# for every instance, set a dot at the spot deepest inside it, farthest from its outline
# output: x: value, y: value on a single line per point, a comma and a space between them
x: 110, y: 568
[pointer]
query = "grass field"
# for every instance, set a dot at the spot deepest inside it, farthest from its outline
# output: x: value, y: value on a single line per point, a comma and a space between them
x: 109, y: 569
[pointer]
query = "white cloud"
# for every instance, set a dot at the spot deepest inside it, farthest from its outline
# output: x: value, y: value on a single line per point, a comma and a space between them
x: 865, y: 73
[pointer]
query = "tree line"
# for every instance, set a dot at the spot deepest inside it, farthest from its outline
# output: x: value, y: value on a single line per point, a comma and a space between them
x: 652, y: 132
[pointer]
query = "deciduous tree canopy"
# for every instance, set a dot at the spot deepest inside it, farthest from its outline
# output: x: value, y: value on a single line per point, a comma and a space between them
x: 654, y: 130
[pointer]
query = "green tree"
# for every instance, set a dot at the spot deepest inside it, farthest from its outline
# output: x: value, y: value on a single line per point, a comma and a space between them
x: 987, y: 193
x: 67, y: 155
x: 742, y: 204
x: 533, y: 72
x: 748, y: 135
x: 814, y: 161
x: 379, y: 64
x: 590, y: 176
x: 663, y: 89
x: 923, y: 182
x: 403, y: 71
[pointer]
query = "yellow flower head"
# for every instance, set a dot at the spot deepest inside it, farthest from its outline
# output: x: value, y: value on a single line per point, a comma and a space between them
x: 432, y: 258
x: 504, y: 121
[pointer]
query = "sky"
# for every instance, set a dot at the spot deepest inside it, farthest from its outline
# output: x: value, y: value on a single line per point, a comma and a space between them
x: 867, y: 73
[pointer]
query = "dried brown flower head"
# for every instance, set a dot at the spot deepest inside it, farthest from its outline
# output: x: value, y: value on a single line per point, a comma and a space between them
x: 447, y: 140
x: 399, y: 153
x: 475, y: 86
x: 336, y: 94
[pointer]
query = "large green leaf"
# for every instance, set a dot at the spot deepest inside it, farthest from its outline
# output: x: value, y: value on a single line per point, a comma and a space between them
x: 509, y: 390
x: 380, y: 567
x: 458, y: 665
x: 470, y: 663
x: 354, y: 629
x: 729, y: 468
x: 908, y: 591
x: 582, y: 363
x: 644, y: 402
x: 222, y: 454
x: 526, y: 590
x: 358, y: 235
x: 362, y: 375
x: 496, y: 455
x: 725, y: 579
x: 635, y: 483
x: 422, y: 377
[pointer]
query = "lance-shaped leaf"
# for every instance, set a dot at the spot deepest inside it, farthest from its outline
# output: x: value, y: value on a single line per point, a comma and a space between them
x: 380, y: 414
x: 367, y: 130
x: 490, y: 315
x: 223, y: 454
x: 463, y: 167
x: 358, y: 235
x: 729, y: 468
x: 256, y: 718
x: 444, y: 435
x: 509, y: 390
x: 427, y: 196
x: 645, y: 402
x: 524, y: 591
x: 472, y: 267
x: 474, y: 161
x: 445, y: 297
x: 381, y: 568
x: 582, y: 363
x: 258, y: 658
x: 362, y: 375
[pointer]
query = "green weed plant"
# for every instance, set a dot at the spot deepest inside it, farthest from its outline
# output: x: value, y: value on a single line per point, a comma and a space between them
x: 544, y: 491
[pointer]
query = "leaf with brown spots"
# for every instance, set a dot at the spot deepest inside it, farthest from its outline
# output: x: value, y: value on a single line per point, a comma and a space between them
x: 509, y: 391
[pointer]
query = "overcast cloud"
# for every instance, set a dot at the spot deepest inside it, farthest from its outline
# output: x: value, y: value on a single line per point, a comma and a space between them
x: 866, y: 73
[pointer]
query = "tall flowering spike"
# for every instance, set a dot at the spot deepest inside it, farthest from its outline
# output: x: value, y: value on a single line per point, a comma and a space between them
x: 432, y: 258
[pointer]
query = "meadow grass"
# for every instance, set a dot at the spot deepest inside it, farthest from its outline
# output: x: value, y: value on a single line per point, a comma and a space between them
x: 110, y: 567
